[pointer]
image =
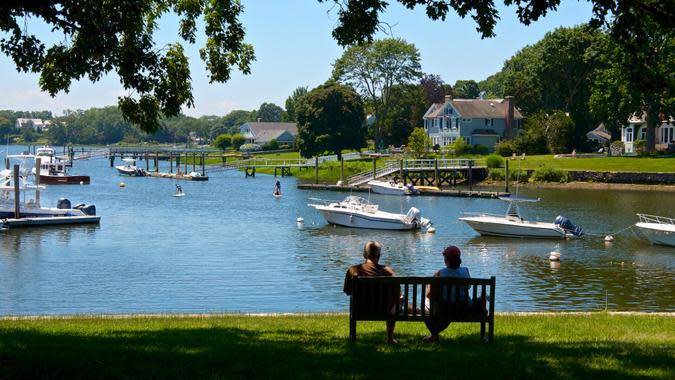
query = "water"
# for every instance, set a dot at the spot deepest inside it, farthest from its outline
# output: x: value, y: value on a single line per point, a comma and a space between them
x: 228, y: 246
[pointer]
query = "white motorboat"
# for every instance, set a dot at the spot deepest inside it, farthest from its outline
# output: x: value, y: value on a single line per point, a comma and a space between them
x: 54, y: 170
x: 357, y: 212
x: 513, y: 225
x: 129, y: 168
x: 657, y: 229
x: 391, y: 188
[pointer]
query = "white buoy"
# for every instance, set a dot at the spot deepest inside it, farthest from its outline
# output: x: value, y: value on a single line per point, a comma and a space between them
x: 431, y: 230
x: 300, y: 220
x: 609, y: 238
x: 554, y: 256
x: 81, y: 182
x: 122, y: 184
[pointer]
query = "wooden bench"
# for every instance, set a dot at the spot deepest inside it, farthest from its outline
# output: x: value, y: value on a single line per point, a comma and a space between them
x: 377, y: 299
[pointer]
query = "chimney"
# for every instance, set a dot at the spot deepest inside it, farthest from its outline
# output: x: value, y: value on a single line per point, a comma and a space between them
x: 448, y: 98
x: 508, y: 117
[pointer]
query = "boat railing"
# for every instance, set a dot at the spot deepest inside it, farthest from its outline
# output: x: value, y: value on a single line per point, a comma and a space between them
x: 482, y: 214
x: 646, y: 218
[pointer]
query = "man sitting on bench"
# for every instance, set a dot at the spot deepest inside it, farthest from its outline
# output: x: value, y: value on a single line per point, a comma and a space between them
x: 371, y: 267
x: 452, y: 258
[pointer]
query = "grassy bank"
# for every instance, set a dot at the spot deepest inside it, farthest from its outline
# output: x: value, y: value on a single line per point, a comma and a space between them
x: 592, y: 346
x: 604, y: 164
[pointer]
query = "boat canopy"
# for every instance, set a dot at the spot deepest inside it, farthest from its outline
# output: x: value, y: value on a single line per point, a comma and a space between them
x: 129, y: 160
x: 355, y: 199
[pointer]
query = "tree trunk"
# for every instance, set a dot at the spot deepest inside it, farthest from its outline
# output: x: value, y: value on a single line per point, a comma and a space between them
x: 652, y: 119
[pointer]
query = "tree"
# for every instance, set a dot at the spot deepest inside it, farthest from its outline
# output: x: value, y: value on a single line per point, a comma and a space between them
x: 466, y: 89
x: 6, y: 128
x: 373, y: 69
x: 269, y: 112
x: 330, y: 118
x: 292, y: 103
x: 559, y: 132
x: 419, y: 142
x: 97, y: 37
x: 223, y: 141
x: 238, y: 140
x: 435, y: 89
x: 406, y: 111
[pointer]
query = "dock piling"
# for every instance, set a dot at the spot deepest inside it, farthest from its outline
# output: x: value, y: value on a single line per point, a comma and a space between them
x: 38, y: 162
x: 342, y: 170
x: 17, y: 193
x: 470, y: 174
x: 506, y: 177
x: 316, y: 170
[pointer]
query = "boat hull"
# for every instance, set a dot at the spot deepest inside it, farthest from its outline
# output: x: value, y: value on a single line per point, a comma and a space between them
x: 658, y: 233
x: 385, y: 188
x: 132, y: 172
x: 505, y: 227
x: 64, y: 179
x: 363, y: 220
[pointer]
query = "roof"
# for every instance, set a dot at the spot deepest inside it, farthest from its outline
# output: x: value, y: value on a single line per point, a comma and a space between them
x: 475, y: 108
x: 635, y: 119
x: 485, y: 109
x: 258, y: 127
x: 268, y: 135
x: 601, y: 132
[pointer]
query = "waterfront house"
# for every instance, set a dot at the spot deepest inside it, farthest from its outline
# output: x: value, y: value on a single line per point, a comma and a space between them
x: 38, y: 125
x: 477, y: 121
x: 263, y: 132
x: 600, y: 135
x: 636, y: 129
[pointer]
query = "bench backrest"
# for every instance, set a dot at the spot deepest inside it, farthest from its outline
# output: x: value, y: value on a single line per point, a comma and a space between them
x: 376, y: 298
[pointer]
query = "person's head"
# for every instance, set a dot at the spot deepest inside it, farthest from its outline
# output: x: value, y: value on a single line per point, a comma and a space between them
x: 452, y: 256
x: 371, y: 251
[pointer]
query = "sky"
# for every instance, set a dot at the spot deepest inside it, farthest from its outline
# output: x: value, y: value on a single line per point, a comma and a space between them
x: 294, y: 47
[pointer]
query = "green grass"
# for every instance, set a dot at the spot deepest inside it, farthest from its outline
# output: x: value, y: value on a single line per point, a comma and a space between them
x: 605, y: 164
x: 549, y: 347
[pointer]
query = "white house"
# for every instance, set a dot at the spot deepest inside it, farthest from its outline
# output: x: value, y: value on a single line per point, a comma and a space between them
x: 264, y: 132
x: 38, y: 125
x: 636, y: 129
x: 477, y: 121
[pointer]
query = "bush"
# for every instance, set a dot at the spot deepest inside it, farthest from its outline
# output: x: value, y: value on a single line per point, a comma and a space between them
x: 223, y: 141
x: 494, y: 161
x: 496, y: 174
x: 639, y: 146
x: 461, y: 147
x: 272, y: 145
x: 250, y: 148
x: 505, y: 148
x: 520, y: 175
x: 549, y: 174
x: 481, y: 149
x: 238, y: 140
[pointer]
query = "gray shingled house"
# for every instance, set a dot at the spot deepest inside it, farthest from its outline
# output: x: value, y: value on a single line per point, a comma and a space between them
x: 264, y: 132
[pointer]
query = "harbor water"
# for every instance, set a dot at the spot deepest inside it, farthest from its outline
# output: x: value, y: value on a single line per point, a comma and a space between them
x: 230, y: 246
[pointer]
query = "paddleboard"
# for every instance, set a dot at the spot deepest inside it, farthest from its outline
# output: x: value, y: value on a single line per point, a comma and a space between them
x: 276, y: 195
x: 179, y: 195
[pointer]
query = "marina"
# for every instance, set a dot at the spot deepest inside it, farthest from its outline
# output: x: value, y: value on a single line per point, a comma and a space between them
x: 230, y: 246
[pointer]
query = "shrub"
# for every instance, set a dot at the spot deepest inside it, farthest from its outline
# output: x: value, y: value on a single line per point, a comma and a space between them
x: 481, y: 149
x: 639, y: 146
x: 250, y: 148
x: 549, y: 174
x: 520, y: 175
x: 505, y: 148
x: 223, y: 141
x: 238, y: 140
x: 496, y: 174
x: 461, y: 147
x: 494, y: 161
x: 272, y: 145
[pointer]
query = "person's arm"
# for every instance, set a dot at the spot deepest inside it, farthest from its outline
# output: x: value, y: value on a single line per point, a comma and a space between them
x: 347, y: 287
x: 437, y: 274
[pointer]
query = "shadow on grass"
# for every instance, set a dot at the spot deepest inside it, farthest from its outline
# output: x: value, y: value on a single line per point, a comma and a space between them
x: 239, y: 353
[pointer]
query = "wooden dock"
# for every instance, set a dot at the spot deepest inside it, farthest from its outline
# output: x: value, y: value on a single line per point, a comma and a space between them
x: 180, y: 176
x: 50, y: 221
x: 441, y: 193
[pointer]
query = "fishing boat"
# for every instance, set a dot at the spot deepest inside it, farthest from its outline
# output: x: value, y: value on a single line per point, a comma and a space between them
x: 129, y: 168
x: 357, y: 212
x: 512, y: 223
x: 657, y: 229
x: 391, y: 188
x: 53, y: 170
x: 30, y: 210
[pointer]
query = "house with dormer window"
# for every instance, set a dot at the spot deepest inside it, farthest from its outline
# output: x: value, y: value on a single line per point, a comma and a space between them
x: 636, y: 129
x: 477, y: 121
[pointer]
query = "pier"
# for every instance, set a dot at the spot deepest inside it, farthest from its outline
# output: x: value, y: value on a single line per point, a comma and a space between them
x: 181, y: 158
x: 439, y: 193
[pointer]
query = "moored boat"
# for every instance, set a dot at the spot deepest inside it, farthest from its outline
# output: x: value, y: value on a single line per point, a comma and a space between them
x: 657, y: 229
x: 54, y: 171
x: 391, y: 188
x: 129, y: 168
x: 513, y: 225
x: 357, y: 212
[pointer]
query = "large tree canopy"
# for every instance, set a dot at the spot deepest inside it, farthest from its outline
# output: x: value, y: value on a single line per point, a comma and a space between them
x: 374, y: 68
x: 98, y: 37
x: 330, y: 119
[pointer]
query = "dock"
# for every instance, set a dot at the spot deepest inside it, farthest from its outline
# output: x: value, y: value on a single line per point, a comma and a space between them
x: 50, y: 221
x: 440, y: 193
x: 178, y: 176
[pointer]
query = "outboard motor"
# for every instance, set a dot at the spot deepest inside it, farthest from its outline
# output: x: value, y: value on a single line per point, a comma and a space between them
x: 413, y: 215
x: 568, y: 226
x: 63, y: 204
x: 87, y: 209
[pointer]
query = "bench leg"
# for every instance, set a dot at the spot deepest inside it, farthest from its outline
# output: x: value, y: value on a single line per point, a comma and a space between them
x: 491, y: 333
x: 352, y: 330
x: 482, y: 331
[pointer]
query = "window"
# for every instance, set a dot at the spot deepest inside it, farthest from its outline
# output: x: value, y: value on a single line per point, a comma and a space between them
x: 643, y: 133
x: 466, y: 121
x: 629, y: 134
x: 489, y: 122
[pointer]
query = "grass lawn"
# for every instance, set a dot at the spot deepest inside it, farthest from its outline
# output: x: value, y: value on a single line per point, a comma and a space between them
x: 593, y: 346
x: 605, y: 164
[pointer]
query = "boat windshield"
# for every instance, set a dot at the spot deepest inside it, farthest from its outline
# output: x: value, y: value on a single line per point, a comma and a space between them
x: 519, y: 199
x: 353, y: 199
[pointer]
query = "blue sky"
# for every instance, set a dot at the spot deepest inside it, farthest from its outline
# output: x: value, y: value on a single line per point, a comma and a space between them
x: 294, y: 47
